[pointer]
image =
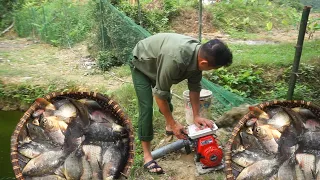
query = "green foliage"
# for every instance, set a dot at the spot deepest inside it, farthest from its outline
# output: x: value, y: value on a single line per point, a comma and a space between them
x: 274, y: 55
x: 108, y: 59
x: 252, y: 16
x: 154, y: 20
x: 61, y: 23
x: 27, y: 93
x: 242, y: 82
x: 115, y: 35
x: 313, y: 26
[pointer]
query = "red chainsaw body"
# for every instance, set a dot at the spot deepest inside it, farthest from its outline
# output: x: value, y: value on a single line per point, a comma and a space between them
x: 209, y: 152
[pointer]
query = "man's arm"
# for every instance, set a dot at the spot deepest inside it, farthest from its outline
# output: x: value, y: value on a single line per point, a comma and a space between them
x: 167, y: 70
x: 174, y: 125
x: 195, y: 103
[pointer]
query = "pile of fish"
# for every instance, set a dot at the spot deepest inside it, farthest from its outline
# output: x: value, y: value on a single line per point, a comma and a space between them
x: 72, y: 139
x: 278, y: 143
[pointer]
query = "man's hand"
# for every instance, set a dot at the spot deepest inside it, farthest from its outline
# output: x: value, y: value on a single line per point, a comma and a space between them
x: 203, y: 122
x: 179, y: 130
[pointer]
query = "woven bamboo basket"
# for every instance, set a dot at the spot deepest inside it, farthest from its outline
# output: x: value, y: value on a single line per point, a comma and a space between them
x: 105, y: 102
x: 290, y: 104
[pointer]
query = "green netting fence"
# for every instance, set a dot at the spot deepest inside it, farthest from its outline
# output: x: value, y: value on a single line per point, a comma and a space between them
x: 60, y: 22
x: 119, y: 34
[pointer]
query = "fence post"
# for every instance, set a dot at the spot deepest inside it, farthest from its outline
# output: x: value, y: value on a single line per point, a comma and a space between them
x: 200, y: 19
x: 295, y: 67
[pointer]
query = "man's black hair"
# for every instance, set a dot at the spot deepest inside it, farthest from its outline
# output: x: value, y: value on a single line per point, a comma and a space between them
x: 216, y: 53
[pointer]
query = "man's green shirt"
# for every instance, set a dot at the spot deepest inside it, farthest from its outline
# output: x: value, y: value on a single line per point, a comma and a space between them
x: 168, y: 58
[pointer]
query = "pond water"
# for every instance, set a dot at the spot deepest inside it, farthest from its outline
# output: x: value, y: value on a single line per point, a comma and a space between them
x: 8, y: 122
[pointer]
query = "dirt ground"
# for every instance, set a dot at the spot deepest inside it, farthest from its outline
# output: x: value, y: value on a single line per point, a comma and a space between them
x: 28, y: 61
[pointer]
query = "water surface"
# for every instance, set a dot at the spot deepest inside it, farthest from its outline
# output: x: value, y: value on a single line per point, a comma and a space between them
x: 8, y: 122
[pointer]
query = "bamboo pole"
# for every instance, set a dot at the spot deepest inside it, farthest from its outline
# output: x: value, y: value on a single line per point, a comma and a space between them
x: 295, y: 67
x: 200, y: 19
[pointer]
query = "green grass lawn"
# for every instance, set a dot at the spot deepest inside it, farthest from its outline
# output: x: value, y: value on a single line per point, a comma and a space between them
x: 274, y: 54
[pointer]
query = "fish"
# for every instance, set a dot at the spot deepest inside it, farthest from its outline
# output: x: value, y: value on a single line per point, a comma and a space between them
x: 280, y: 121
x: 247, y: 158
x: 22, y: 160
x: 250, y: 122
x: 94, y: 157
x: 299, y: 172
x: 264, y: 134
x: 263, y: 169
x: 36, y: 122
x: 307, y: 164
x: 72, y: 167
x: 48, y: 177
x: 23, y: 136
x: 288, y: 143
x: 258, y: 113
x: 236, y: 169
x: 65, y: 109
x: 112, y: 159
x: 91, y: 104
x: 305, y: 113
x: 37, y: 113
x: 73, y: 136
x: 249, y: 130
x: 47, y: 106
x: 82, y: 112
x: 312, y: 125
x: 87, y: 171
x: 36, y: 132
x: 286, y: 171
x: 317, y: 172
x: 45, y: 163
x: 236, y: 144
x: 34, y: 149
x: 310, y: 140
x: 296, y: 120
x: 51, y: 126
x: 250, y: 142
x: 105, y: 132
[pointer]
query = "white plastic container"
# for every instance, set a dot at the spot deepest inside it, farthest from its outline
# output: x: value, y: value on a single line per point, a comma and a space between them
x: 205, y: 103
x: 194, y: 132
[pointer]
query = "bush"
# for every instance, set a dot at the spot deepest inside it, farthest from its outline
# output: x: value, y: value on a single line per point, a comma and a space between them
x: 252, y: 17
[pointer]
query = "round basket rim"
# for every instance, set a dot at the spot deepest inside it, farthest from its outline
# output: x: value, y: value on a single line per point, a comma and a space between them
x: 110, y: 104
x: 242, y: 121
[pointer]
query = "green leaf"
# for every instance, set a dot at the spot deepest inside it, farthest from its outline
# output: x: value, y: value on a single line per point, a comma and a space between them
x: 269, y: 26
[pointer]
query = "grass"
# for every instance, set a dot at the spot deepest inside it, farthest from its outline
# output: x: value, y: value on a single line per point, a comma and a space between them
x: 273, y: 55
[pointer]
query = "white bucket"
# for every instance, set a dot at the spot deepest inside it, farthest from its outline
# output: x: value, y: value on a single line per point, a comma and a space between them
x: 205, y: 103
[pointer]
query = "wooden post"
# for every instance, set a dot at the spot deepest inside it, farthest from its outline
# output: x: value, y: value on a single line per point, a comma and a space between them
x: 295, y: 67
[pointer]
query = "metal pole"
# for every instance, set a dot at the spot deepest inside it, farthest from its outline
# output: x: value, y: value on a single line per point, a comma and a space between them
x: 139, y: 13
x: 295, y: 67
x: 102, y: 24
x: 200, y: 19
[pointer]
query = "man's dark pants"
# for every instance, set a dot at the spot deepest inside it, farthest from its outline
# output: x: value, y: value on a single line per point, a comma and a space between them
x: 143, y: 87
